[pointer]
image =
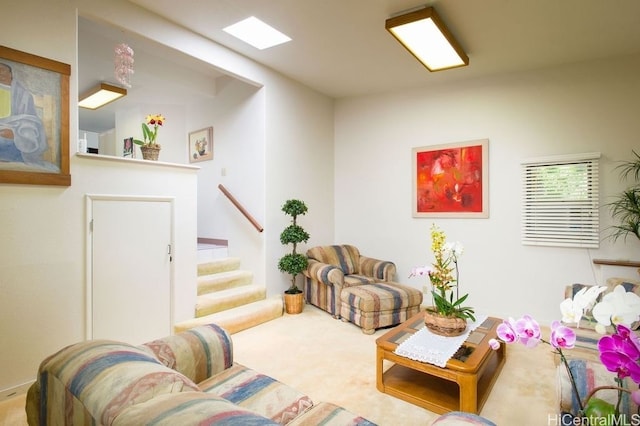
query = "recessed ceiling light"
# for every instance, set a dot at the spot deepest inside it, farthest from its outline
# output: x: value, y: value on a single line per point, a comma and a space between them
x: 256, y: 33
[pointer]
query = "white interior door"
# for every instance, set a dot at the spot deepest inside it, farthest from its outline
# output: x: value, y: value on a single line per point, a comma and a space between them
x: 130, y: 269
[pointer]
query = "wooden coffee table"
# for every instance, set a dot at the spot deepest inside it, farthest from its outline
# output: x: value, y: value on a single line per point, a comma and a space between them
x: 462, y: 385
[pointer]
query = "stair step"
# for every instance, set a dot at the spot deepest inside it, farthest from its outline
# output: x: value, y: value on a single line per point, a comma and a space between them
x: 240, y: 318
x: 228, y: 299
x: 212, y: 253
x: 223, y: 264
x: 223, y: 280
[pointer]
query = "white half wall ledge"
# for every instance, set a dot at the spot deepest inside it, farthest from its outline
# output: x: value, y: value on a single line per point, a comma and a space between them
x: 136, y: 161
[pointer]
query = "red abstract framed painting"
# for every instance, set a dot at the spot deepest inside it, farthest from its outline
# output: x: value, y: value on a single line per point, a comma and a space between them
x: 451, y: 180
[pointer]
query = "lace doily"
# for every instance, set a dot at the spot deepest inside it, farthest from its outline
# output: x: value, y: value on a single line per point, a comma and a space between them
x: 426, y: 346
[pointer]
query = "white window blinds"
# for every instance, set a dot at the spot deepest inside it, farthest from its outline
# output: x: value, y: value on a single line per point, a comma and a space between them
x: 560, y: 201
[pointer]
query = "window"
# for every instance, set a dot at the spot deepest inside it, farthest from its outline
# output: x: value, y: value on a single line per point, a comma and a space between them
x: 560, y: 201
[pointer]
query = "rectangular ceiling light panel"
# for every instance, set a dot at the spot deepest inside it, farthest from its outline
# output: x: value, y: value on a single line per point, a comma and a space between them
x: 101, y: 95
x: 256, y: 33
x: 424, y: 35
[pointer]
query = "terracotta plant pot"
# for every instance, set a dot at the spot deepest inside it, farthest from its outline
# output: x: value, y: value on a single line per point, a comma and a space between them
x: 293, y: 303
x: 442, y: 325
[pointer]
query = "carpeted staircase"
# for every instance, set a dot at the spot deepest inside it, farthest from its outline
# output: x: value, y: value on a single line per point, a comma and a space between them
x: 228, y: 297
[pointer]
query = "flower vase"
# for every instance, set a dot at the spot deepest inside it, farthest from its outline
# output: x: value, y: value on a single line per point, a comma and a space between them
x: 448, y: 326
x: 150, y: 152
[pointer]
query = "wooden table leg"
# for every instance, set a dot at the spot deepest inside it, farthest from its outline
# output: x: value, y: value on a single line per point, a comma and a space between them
x: 468, y: 392
x: 379, y: 372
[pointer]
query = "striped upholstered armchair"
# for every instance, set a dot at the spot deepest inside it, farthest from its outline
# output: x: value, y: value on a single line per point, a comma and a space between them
x: 332, y: 268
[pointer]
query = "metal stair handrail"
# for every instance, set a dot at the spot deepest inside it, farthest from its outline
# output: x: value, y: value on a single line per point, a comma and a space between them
x: 239, y: 206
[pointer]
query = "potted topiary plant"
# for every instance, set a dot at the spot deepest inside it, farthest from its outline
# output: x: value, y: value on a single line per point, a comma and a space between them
x: 626, y: 208
x: 293, y: 263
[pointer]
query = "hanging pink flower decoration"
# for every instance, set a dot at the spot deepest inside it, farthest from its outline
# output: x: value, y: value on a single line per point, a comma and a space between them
x: 123, y: 63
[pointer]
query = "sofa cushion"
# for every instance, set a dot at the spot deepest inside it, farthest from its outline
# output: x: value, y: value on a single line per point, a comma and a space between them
x: 379, y: 297
x: 97, y: 379
x: 198, y: 353
x: 328, y: 414
x: 258, y: 392
x: 355, y: 280
x: 189, y: 408
x: 343, y: 256
x: 377, y: 305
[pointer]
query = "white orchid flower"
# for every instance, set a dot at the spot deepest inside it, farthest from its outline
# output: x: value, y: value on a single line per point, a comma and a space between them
x: 454, y: 249
x: 587, y: 296
x: 573, y: 309
x: 617, y: 307
x: 457, y: 248
x: 570, y: 311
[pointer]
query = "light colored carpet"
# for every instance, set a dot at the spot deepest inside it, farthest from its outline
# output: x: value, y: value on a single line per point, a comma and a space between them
x: 334, y: 361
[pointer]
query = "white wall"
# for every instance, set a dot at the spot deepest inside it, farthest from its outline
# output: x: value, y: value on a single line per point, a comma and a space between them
x: 299, y: 164
x: 237, y: 117
x: 42, y: 229
x: 590, y: 107
x: 298, y: 136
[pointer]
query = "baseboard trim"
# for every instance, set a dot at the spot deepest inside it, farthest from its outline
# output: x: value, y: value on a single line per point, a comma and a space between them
x: 15, y: 391
x: 215, y: 241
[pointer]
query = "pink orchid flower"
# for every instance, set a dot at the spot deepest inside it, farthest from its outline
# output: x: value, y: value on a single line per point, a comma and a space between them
x: 420, y: 271
x: 528, y: 331
x: 620, y: 354
x: 562, y: 336
x: 506, y: 331
x: 494, y: 344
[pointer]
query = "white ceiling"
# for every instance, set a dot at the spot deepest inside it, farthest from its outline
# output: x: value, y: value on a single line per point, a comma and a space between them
x: 341, y: 48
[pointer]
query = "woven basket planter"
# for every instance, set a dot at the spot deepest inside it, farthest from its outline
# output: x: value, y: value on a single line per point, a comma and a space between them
x: 150, y: 152
x: 442, y: 325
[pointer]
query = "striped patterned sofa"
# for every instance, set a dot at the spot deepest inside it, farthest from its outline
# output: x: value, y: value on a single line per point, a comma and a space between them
x: 186, y: 379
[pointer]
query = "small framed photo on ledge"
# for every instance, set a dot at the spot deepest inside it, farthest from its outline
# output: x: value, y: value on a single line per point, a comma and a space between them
x: 127, y: 148
x: 201, y: 145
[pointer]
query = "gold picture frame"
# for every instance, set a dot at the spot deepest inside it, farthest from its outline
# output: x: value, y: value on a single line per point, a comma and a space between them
x: 34, y: 119
x: 201, y: 145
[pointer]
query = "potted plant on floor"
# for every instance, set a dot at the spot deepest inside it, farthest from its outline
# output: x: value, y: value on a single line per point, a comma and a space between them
x: 293, y: 263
